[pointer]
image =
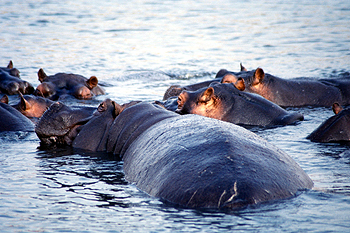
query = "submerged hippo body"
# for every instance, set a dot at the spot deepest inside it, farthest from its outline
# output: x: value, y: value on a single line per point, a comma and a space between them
x: 225, y: 102
x: 11, y: 83
x: 334, y: 129
x: 287, y: 92
x: 191, y: 160
x: 54, y: 86
x: 13, y: 120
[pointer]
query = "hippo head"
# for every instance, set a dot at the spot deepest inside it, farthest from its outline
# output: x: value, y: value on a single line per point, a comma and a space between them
x: 60, y: 84
x: 83, y: 90
x: 12, y: 85
x: 173, y: 90
x: 236, y: 81
x: 201, y: 102
x: 11, y: 70
x: 32, y: 106
x: 334, y: 129
x: 255, y: 82
x: 83, y: 127
x: 209, y: 102
x: 94, y: 134
x: 59, y: 123
x: 45, y: 90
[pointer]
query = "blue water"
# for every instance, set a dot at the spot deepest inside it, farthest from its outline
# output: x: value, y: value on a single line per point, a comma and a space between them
x: 140, y: 48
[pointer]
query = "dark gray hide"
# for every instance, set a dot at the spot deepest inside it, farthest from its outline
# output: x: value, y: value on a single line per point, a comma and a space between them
x: 13, y: 120
x: 334, y: 129
x: 200, y: 162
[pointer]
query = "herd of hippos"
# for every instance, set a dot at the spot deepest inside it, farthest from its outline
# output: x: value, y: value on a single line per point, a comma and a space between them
x: 191, y: 149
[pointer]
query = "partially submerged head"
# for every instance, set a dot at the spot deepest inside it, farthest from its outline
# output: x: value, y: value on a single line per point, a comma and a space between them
x: 335, y: 128
x: 32, y: 106
x: 61, y: 124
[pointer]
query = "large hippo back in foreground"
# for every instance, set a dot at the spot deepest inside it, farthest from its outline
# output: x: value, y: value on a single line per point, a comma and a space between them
x: 189, y: 160
x: 200, y: 162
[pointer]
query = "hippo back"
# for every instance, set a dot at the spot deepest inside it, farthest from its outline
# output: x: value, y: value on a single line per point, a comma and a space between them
x: 131, y: 123
x: 200, y: 162
x: 251, y: 109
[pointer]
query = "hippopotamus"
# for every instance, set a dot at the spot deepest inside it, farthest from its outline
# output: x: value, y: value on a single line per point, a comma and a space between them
x: 175, y: 90
x: 13, y: 120
x: 334, y: 129
x: 225, y: 102
x: 58, y: 125
x: 54, y: 86
x: 10, y: 69
x: 296, y: 92
x: 32, y: 106
x: 187, y: 160
x: 11, y: 83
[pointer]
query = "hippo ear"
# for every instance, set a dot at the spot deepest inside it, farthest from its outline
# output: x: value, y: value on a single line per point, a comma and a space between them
x: 92, y: 82
x: 221, y: 73
x: 117, y: 109
x: 4, y: 99
x: 242, y: 67
x: 229, y: 78
x: 337, y: 108
x: 207, y: 95
x: 41, y: 75
x: 10, y: 65
x: 240, y: 84
x: 24, y: 103
x: 258, y: 77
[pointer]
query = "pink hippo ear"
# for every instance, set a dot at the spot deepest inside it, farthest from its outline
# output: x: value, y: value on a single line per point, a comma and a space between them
x: 41, y: 75
x: 229, y: 78
x: 242, y: 67
x: 92, y: 82
x: 4, y: 99
x: 207, y: 95
x: 337, y: 108
x: 240, y: 84
x: 258, y: 77
x: 10, y: 65
x: 24, y: 104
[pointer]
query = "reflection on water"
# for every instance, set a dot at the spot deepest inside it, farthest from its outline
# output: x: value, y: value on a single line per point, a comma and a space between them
x: 139, y: 48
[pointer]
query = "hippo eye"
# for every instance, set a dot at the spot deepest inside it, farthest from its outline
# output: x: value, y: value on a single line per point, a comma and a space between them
x: 101, y: 107
x: 179, y: 102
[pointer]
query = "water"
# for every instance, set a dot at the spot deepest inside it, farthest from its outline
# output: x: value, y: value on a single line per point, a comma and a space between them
x: 140, y: 48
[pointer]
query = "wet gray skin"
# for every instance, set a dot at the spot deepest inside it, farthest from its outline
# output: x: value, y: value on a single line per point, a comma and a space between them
x: 297, y: 92
x: 225, y: 102
x: 59, y: 123
x: 13, y: 120
x: 335, y: 128
x: 54, y: 86
x: 190, y: 160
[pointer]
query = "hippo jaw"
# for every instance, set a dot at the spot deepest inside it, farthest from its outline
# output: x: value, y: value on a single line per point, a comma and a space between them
x: 63, y: 139
x: 60, y: 125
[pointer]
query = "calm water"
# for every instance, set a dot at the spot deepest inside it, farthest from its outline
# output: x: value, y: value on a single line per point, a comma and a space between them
x: 140, y: 48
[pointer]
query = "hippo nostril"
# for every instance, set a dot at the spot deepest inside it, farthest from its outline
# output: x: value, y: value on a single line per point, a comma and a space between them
x: 53, y: 139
